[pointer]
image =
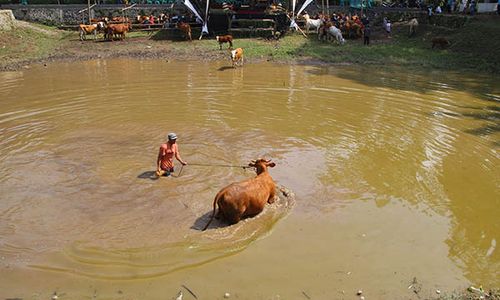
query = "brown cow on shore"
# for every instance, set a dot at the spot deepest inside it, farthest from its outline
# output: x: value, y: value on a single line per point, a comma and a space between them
x: 120, y: 20
x: 89, y: 29
x: 248, y: 197
x: 186, y: 29
x: 116, y: 29
x: 225, y: 39
x: 141, y: 19
x: 441, y: 41
x: 104, y: 19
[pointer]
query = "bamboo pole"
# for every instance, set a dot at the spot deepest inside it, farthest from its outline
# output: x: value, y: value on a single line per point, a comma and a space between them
x: 298, y: 27
x: 126, y: 9
x: 129, y: 7
x: 88, y: 10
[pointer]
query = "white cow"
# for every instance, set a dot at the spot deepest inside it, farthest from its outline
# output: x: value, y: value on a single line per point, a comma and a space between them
x: 336, y: 33
x: 315, y: 23
x: 413, y: 23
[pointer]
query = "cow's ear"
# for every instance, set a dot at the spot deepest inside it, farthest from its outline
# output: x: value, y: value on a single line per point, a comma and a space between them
x: 272, y: 164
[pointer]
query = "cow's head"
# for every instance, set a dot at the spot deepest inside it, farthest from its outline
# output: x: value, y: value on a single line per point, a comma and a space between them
x: 261, y: 165
x: 100, y: 26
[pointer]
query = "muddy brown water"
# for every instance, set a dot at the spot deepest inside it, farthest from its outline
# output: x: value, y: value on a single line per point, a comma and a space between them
x: 395, y: 176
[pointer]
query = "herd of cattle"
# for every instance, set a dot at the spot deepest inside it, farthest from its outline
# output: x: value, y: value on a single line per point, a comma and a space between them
x: 336, y: 26
x: 117, y: 27
x: 109, y: 30
x: 118, y: 30
x: 333, y: 27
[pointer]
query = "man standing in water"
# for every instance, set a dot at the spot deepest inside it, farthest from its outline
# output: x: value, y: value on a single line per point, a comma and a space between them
x: 165, y: 161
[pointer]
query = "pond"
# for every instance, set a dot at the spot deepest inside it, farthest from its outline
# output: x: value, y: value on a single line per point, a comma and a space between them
x: 395, y: 176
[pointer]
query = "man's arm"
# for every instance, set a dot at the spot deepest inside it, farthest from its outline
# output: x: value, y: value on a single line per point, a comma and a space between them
x: 178, y: 156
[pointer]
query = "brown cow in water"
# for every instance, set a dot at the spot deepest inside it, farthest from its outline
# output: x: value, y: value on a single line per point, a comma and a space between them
x: 248, y: 197
x: 186, y: 29
x: 237, y: 56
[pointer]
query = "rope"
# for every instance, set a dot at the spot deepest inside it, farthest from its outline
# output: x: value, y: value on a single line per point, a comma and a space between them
x: 217, y: 165
x: 182, y: 167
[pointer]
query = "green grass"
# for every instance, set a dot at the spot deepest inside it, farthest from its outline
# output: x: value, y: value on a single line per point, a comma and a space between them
x: 25, y: 43
x: 474, y: 47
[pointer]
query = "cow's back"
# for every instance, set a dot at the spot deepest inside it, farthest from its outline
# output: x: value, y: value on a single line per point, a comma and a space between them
x: 246, y: 198
x: 121, y: 28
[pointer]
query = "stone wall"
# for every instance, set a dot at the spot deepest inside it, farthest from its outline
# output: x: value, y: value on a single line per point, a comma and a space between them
x: 6, y: 19
x: 69, y: 14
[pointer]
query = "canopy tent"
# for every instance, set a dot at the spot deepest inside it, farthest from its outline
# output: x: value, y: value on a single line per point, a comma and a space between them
x: 304, y: 5
x: 204, y: 28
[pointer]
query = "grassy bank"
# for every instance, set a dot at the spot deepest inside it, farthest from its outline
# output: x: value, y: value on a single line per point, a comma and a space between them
x: 27, y: 42
x: 473, y: 47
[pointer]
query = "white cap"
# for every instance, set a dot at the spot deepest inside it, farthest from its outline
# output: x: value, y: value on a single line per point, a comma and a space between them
x: 172, y: 136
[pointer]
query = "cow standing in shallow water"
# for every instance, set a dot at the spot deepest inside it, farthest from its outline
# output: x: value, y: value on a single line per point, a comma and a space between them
x: 237, y: 57
x: 248, y: 197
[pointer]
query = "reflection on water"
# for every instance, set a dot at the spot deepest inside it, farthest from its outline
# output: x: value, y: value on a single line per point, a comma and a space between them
x: 75, y: 138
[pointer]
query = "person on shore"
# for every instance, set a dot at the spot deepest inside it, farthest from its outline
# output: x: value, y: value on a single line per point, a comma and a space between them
x: 450, y: 6
x: 366, y: 35
x: 165, y: 161
x: 472, y: 8
x: 386, y: 24
x: 465, y: 4
x: 365, y: 20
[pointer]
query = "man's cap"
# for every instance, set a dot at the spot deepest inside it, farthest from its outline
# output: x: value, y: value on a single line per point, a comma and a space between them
x: 172, y: 136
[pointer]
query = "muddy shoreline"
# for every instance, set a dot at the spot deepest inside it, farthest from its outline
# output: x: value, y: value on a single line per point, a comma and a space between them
x: 171, y: 55
x: 142, y: 47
